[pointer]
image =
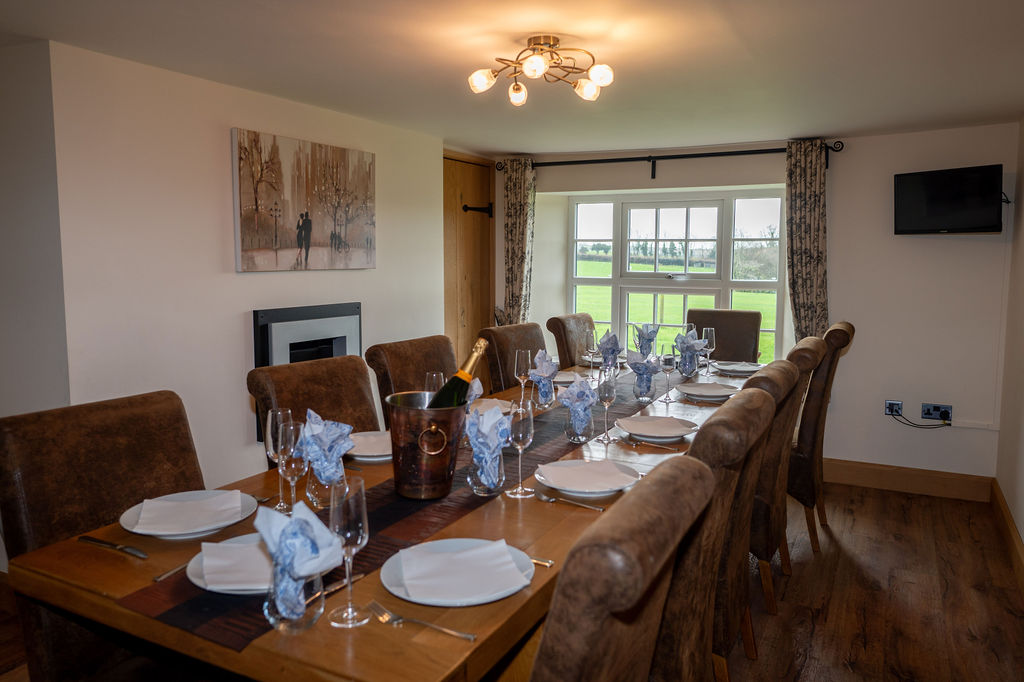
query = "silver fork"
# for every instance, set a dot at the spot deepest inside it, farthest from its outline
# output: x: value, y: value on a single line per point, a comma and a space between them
x: 388, y: 617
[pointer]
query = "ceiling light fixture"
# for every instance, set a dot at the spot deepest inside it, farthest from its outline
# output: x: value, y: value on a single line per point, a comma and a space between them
x: 543, y: 58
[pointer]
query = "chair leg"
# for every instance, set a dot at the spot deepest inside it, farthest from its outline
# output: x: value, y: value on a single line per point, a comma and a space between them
x: 721, y: 668
x: 787, y: 567
x: 812, y: 529
x: 747, y: 632
x: 767, y: 587
x: 821, y: 513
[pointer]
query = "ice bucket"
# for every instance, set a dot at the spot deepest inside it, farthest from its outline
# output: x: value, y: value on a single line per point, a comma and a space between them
x: 424, y: 444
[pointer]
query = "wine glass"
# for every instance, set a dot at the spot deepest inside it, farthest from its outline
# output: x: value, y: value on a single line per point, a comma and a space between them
x: 709, y: 347
x: 276, y: 417
x: 523, y: 364
x: 667, y: 362
x: 350, y: 524
x: 606, y: 394
x: 521, y: 435
x: 433, y: 382
x: 591, y: 351
x: 291, y: 465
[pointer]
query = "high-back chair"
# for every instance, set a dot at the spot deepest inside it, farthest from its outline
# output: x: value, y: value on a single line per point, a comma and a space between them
x: 805, y: 462
x: 73, y: 469
x: 571, y: 334
x: 403, y: 365
x: 502, y: 344
x: 607, y: 606
x: 684, y: 644
x: 337, y: 389
x: 737, y: 332
x: 768, y: 517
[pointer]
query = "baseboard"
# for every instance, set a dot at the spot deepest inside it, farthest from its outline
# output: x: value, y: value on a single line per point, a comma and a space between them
x: 1004, y: 519
x: 908, y: 480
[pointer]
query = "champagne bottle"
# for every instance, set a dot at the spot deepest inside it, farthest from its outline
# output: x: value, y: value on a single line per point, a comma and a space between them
x: 453, y: 393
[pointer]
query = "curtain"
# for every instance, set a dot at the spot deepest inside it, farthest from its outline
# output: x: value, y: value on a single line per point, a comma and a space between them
x: 520, y: 190
x: 805, y: 236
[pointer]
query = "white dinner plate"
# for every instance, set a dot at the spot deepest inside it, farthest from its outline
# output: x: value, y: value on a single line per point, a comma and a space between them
x: 487, y: 404
x: 564, y: 378
x: 656, y: 429
x: 736, y: 369
x: 371, y: 446
x: 130, y: 517
x: 391, y: 573
x: 586, y: 493
x: 194, y: 570
x: 709, y: 393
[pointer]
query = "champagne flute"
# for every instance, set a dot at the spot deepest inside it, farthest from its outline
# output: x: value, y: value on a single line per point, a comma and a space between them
x: 351, y: 525
x: 291, y: 465
x: 521, y: 435
x: 523, y: 364
x: 709, y: 347
x: 606, y: 394
x: 668, y: 364
x: 276, y: 417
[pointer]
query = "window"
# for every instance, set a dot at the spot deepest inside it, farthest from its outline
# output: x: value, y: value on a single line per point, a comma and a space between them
x: 645, y: 258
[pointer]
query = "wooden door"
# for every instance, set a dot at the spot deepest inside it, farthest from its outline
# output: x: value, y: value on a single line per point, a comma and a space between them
x: 468, y: 252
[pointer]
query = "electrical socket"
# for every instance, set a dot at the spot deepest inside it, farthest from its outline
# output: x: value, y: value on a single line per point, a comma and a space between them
x: 894, y: 407
x: 937, y: 411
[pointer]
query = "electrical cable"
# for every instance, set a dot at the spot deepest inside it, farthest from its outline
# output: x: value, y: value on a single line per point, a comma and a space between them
x: 900, y: 419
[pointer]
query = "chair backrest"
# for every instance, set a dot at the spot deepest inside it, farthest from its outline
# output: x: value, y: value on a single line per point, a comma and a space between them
x: 571, y: 333
x: 683, y: 651
x: 607, y: 606
x: 737, y: 332
x: 786, y: 381
x: 403, y: 365
x: 73, y: 469
x: 805, y: 462
x: 336, y: 388
x: 502, y: 344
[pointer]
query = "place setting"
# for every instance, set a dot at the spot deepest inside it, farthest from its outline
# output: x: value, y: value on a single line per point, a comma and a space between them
x: 705, y: 392
x: 189, y: 514
x: 735, y: 369
x: 655, y: 431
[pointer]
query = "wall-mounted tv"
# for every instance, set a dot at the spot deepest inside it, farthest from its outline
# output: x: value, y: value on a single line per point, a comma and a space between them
x: 949, y: 201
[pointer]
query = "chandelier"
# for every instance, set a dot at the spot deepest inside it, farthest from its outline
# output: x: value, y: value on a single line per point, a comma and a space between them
x: 543, y: 58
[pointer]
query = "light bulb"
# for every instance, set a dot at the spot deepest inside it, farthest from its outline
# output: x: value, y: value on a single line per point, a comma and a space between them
x: 587, y: 89
x: 534, y: 66
x: 517, y: 94
x: 601, y: 74
x: 481, y: 80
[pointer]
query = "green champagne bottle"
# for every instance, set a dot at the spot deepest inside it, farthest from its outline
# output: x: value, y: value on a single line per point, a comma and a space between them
x: 453, y: 393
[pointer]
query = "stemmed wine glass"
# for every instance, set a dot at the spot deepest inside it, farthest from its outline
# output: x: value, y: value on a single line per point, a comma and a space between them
x: 709, y: 347
x: 522, y: 369
x: 434, y: 382
x: 291, y: 465
x: 591, y: 350
x: 276, y: 417
x: 667, y: 362
x: 521, y: 435
x: 606, y: 394
x: 349, y: 523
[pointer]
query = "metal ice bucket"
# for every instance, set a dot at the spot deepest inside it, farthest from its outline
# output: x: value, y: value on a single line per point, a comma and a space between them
x: 424, y: 444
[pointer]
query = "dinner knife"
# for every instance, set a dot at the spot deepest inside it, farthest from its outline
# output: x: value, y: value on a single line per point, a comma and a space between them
x: 127, y: 549
x: 335, y: 586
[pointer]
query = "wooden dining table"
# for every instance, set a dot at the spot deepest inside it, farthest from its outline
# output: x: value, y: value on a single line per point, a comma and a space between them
x: 118, y: 590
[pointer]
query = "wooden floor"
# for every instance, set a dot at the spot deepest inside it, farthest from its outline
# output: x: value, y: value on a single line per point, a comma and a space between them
x: 906, y: 587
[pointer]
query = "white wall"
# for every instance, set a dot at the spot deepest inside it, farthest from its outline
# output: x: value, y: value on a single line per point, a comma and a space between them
x: 929, y: 310
x: 151, y: 296
x: 549, y: 262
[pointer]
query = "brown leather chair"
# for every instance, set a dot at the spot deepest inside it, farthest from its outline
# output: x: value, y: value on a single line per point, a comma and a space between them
x: 571, y: 335
x: 684, y: 644
x: 56, y: 469
x: 337, y: 389
x: 403, y: 365
x: 608, y: 601
x: 805, y: 462
x: 768, y: 518
x: 502, y: 344
x: 737, y: 332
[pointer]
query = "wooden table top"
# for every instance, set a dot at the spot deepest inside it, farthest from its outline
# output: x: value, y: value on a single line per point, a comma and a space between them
x: 89, y: 580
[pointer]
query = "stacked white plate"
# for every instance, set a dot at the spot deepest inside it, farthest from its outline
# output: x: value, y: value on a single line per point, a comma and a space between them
x: 736, y: 369
x: 488, y: 404
x: 251, y: 575
x: 656, y: 429
x: 564, y: 378
x: 581, y: 478
x: 189, y: 514
x: 707, y: 393
x: 370, y: 446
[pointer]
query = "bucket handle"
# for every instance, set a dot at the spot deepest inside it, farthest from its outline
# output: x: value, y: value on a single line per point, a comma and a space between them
x: 432, y: 430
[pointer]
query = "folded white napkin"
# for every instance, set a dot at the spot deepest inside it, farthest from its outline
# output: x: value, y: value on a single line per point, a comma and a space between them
x: 733, y: 366
x: 307, y: 560
x: 708, y: 390
x: 371, y: 443
x: 485, y: 569
x: 564, y: 378
x: 602, y: 475
x: 236, y: 565
x: 166, y: 516
x: 659, y: 427
x: 487, y: 404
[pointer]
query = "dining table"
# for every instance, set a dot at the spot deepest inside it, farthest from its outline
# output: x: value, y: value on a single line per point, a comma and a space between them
x: 231, y: 632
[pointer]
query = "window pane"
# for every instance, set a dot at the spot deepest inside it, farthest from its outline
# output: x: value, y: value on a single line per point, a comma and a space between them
x: 594, y: 221
x: 757, y: 260
x: 757, y: 299
x: 639, y: 308
x: 601, y: 328
x: 702, y: 256
x: 641, y: 256
x: 757, y: 218
x: 704, y: 223
x: 701, y: 302
x: 766, y: 346
x: 672, y: 256
x: 595, y: 300
x: 593, y: 259
x: 641, y: 223
x: 670, y: 310
x: 672, y: 224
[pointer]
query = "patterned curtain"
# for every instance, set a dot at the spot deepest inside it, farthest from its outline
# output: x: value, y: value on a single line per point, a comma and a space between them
x: 520, y: 190
x: 805, y: 236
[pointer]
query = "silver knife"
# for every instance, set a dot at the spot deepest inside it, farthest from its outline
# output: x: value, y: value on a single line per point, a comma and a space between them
x: 335, y: 586
x: 127, y: 549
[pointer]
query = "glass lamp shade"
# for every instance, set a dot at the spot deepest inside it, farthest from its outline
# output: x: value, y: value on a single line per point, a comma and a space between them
x: 534, y: 66
x: 481, y: 80
x: 517, y: 94
x: 601, y: 74
x: 587, y: 89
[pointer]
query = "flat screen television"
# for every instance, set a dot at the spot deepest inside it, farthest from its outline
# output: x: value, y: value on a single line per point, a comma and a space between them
x: 954, y: 200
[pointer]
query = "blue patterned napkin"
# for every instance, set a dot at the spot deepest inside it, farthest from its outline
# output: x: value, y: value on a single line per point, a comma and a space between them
x: 609, y: 348
x: 689, y: 343
x: 476, y: 389
x: 542, y: 373
x: 644, y: 337
x: 644, y: 369
x: 488, y: 433
x: 301, y: 546
x: 322, y: 445
x: 578, y: 397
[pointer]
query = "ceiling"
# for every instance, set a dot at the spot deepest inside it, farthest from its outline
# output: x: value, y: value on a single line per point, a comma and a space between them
x: 688, y: 72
